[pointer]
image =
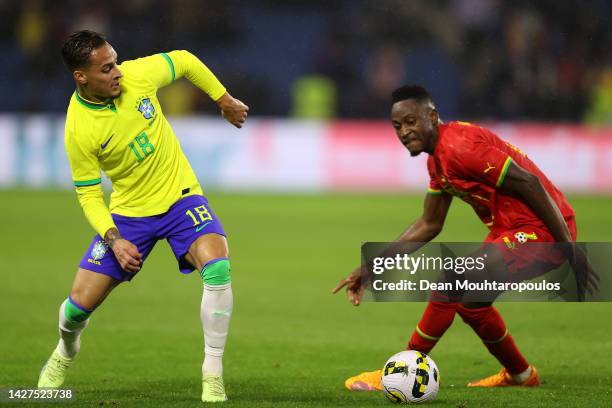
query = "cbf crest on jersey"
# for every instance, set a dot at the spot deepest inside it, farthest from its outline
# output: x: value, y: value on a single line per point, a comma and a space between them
x: 98, y: 250
x: 145, y: 106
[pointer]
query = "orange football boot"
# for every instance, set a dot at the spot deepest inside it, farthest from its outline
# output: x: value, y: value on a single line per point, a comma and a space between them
x: 504, y: 379
x: 368, y: 381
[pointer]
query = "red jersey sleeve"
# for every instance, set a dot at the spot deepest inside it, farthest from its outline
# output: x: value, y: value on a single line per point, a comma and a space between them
x: 479, y: 161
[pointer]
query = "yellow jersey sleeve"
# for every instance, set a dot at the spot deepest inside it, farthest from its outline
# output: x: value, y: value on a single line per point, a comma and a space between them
x: 188, y: 65
x: 163, y: 69
x: 86, y: 177
x: 91, y: 199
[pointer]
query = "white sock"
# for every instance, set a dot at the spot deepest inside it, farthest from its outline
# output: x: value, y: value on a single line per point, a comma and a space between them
x: 522, y: 377
x: 215, y: 312
x: 70, y: 334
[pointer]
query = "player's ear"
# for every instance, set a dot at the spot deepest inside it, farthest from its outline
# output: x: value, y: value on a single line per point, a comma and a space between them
x: 433, y: 116
x: 80, y: 77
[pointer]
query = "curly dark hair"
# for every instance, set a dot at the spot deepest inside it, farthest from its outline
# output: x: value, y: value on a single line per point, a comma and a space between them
x: 78, y: 47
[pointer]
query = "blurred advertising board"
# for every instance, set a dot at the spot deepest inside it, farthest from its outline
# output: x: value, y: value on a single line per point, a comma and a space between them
x: 294, y: 156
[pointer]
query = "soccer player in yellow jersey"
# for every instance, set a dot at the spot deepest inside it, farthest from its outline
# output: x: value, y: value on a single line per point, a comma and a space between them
x: 115, y: 124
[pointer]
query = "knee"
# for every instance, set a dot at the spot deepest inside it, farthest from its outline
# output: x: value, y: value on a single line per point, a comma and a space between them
x: 82, y: 299
x: 90, y: 288
x: 206, y: 249
x: 79, y: 297
x: 216, y: 272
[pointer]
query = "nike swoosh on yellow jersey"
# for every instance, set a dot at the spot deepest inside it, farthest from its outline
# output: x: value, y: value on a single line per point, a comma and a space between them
x: 103, y: 145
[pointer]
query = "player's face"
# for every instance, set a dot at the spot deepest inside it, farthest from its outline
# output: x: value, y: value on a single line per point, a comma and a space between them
x: 101, y: 77
x: 416, y: 125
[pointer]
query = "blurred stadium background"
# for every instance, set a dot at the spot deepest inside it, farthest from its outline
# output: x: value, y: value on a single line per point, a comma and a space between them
x: 315, y: 172
x: 538, y: 72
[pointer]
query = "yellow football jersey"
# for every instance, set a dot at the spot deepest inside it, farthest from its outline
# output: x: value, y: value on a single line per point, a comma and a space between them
x: 130, y: 140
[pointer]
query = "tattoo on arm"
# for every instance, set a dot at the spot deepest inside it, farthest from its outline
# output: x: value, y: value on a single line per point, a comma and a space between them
x: 111, y: 236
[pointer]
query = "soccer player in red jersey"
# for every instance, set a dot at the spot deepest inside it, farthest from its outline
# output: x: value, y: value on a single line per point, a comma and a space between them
x: 511, y: 196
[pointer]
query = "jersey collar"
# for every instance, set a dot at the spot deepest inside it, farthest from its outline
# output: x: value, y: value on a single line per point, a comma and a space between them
x: 94, y: 105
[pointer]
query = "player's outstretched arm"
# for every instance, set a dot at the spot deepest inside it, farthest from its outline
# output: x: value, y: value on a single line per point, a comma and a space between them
x: 420, y: 232
x: 520, y: 182
x: 184, y: 63
x: 233, y: 110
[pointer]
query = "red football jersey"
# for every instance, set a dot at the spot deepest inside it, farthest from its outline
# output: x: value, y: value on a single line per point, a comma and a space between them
x: 470, y: 162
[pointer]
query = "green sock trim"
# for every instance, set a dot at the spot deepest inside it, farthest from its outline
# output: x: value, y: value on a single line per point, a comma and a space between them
x: 216, y: 273
x: 74, y: 313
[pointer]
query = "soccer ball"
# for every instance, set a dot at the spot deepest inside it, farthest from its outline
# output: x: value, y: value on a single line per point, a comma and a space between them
x: 410, y: 377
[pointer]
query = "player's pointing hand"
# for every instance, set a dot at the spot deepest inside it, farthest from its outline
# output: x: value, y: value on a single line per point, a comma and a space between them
x: 233, y: 110
x: 354, y: 286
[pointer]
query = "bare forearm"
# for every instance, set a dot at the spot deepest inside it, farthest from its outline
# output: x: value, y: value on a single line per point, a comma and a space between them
x: 527, y: 186
x: 543, y: 205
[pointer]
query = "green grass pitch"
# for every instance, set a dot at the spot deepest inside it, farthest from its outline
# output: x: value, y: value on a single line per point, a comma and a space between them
x: 291, y: 342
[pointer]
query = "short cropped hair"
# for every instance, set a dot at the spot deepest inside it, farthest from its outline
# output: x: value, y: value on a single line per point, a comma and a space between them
x: 78, y: 47
x: 416, y: 92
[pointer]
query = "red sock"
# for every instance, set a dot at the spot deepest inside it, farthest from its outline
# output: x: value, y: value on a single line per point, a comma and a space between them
x: 490, y: 327
x: 437, y: 317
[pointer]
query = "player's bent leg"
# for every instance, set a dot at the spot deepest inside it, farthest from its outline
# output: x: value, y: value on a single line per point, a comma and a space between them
x: 209, y: 253
x: 89, y: 288
x: 488, y: 324
x: 88, y: 291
